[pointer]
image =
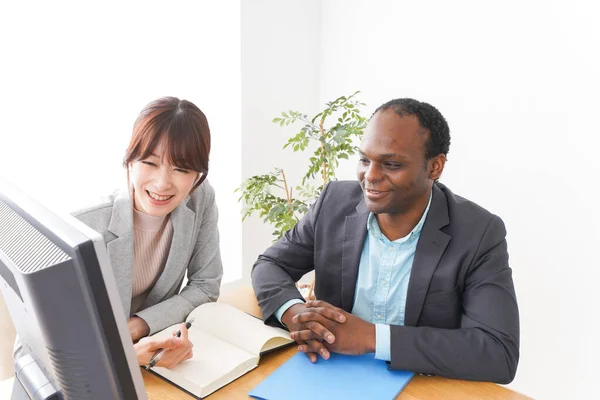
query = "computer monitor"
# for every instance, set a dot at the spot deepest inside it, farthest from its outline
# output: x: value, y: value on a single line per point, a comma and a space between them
x: 61, y: 294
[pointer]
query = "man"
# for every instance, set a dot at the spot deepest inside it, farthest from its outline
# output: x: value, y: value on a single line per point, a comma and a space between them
x: 404, y: 267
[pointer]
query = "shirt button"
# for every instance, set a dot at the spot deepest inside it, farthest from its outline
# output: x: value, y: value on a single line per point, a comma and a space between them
x: 379, y: 316
x: 383, y: 281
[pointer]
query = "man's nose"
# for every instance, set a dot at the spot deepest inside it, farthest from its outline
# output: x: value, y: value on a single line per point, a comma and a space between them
x: 372, y: 172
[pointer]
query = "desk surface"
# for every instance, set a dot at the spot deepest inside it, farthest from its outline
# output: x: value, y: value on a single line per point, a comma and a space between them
x: 420, y: 387
x: 242, y: 297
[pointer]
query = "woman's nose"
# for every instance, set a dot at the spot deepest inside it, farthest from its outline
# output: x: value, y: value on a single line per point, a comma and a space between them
x: 162, y: 180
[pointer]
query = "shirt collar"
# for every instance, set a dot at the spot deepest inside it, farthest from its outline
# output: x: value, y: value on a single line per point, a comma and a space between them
x: 373, y: 226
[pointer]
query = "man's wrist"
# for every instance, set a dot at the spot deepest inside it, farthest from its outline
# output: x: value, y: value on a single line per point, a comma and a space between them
x: 287, y: 316
x: 281, y: 310
x: 371, y: 339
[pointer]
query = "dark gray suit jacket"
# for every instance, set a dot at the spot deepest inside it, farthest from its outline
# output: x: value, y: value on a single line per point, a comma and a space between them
x: 461, y: 318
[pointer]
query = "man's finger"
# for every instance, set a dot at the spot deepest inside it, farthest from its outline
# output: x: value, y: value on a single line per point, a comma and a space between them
x: 311, y: 356
x: 324, y: 308
x: 330, y: 313
x: 304, y: 335
x: 308, y: 316
x: 316, y: 323
x: 314, y: 346
x: 313, y: 332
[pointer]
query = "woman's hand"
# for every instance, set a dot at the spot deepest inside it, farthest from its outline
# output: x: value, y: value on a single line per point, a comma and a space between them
x: 179, y: 349
x: 138, y: 328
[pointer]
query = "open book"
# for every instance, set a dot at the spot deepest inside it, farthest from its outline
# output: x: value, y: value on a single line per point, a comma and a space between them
x: 227, y: 344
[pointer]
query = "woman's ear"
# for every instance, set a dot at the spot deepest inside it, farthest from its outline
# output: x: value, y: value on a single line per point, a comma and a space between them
x: 197, y: 178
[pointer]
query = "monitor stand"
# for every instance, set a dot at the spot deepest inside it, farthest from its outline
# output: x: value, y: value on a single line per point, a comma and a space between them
x: 18, y: 393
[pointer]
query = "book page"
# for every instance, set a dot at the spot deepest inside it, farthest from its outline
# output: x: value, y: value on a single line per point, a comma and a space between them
x: 238, y: 328
x: 214, y: 364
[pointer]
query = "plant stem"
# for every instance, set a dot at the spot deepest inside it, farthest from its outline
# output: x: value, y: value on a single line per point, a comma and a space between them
x: 323, y: 150
x: 288, y: 194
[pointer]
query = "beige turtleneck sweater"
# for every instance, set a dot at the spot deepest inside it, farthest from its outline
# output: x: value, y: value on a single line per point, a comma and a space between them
x: 151, y: 243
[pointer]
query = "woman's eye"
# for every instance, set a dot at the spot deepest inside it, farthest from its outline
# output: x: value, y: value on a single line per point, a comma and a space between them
x: 149, y: 163
x: 183, y: 171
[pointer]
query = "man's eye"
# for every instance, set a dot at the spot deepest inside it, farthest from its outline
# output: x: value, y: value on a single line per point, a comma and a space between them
x: 392, y: 165
x: 363, y: 160
x: 149, y: 163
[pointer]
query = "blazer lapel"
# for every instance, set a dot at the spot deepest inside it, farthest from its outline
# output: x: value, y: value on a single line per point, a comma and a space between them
x: 355, y: 232
x: 120, y: 250
x: 431, y: 246
x: 182, y: 219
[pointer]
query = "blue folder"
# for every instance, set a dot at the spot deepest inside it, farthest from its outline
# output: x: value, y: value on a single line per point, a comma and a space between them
x: 340, y: 377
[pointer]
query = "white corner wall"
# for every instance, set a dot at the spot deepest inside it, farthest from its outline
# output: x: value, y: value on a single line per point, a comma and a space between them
x: 280, y: 72
x: 518, y: 83
x: 75, y: 75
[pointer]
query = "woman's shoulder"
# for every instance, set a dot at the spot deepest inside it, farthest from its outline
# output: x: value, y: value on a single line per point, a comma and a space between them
x: 203, y: 197
x: 98, y: 214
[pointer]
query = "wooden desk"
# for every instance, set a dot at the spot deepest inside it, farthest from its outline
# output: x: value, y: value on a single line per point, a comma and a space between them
x: 419, y: 388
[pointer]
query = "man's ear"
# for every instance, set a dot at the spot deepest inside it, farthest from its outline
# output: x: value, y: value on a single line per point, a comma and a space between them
x: 436, y: 166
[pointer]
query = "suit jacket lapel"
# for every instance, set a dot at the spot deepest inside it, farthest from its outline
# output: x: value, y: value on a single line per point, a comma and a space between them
x: 355, y: 232
x: 120, y: 250
x: 431, y: 246
x: 182, y: 219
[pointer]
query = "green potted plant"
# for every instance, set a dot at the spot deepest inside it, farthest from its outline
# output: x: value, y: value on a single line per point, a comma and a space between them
x: 271, y: 196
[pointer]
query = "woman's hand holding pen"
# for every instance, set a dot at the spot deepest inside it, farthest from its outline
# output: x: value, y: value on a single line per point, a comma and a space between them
x: 179, y: 349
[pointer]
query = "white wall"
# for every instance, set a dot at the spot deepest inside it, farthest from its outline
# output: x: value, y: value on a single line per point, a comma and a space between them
x: 74, y: 76
x: 518, y: 82
x: 280, y: 71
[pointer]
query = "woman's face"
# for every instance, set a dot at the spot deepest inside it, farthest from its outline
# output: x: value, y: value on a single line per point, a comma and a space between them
x: 159, y: 187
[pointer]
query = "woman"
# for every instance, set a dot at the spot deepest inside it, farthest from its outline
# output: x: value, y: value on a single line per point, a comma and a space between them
x: 163, y: 227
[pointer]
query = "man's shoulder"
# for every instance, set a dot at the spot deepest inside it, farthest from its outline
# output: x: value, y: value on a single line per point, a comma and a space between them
x: 341, y: 195
x: 463, y: 211
x: 349, y: 190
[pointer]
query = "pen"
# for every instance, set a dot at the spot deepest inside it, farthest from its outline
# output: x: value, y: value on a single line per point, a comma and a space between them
x: 159, y: 353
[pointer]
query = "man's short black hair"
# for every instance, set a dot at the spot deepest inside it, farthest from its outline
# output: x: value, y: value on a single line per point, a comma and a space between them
x: 429, y: 118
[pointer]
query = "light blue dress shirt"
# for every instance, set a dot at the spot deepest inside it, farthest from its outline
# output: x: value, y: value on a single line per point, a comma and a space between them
x: 382, y: 283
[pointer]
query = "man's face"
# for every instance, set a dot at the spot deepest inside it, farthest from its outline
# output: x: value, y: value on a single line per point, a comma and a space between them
x: 392, y: 169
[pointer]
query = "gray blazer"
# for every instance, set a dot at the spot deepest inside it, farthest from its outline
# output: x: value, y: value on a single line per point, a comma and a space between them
x: 194, y: 249
x: 461, y: 318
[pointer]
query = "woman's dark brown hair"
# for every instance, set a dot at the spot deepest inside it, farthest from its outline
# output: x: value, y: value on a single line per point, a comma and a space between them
x: 182, y: 129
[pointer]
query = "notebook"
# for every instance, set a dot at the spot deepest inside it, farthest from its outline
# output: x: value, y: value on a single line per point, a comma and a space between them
x: 340, y: 377
x: 227, y: 344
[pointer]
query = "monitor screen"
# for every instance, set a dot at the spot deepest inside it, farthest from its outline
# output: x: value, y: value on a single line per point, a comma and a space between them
x: 62, y: 297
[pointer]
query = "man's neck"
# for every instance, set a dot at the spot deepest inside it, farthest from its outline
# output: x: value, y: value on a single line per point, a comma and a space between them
x: 396, y: 226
